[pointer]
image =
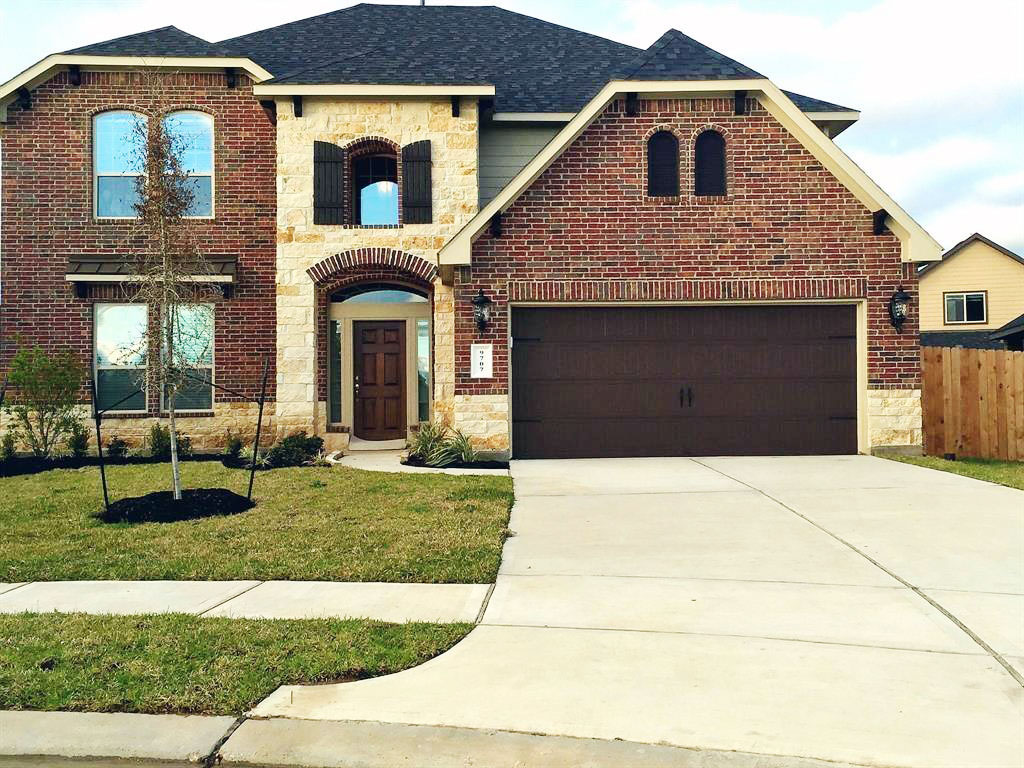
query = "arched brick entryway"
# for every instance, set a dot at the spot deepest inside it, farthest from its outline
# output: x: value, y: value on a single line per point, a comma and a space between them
x: 383, y: 266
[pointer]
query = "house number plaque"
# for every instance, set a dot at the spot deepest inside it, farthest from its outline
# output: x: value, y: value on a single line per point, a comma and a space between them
x: 480, y: 356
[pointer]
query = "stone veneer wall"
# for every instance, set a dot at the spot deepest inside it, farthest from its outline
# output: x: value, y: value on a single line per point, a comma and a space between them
x: 895, y: 417
x: 301, y: 244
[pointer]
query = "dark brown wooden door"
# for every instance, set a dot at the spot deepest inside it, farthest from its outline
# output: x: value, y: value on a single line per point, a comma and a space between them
x: 379, y: 380
x: 684, y: 381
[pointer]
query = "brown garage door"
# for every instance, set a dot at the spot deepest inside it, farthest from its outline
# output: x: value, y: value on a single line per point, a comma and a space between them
x: 683, y: 381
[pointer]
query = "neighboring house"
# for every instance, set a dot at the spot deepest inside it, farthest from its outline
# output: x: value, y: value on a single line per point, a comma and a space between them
x: 564, y: 245
x: 970, y: 294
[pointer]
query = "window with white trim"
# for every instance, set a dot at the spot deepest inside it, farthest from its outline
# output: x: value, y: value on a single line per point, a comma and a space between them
x: 966, y: 308
x: 119, y: 356
x: 118, y: 163
x: 193, y: 352
x: 191, y: 135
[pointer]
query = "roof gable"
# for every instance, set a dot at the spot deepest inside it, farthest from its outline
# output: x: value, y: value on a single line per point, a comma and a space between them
x: 674, y: 56
x: 916, y: 243
x: 962, y: 245
x: 166, y: 41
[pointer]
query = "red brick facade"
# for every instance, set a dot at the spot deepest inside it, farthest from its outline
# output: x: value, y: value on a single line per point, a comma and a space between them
x: 787, y: 229
x: 47, y: 215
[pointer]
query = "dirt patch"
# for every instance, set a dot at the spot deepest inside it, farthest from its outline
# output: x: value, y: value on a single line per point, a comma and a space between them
x: 161, y: 507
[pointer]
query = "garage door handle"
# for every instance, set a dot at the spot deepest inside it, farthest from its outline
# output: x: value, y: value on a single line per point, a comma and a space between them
x: 686, y: 397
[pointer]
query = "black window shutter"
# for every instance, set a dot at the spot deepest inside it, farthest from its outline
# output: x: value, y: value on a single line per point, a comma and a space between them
x: 662, y: 165
x: 328, y: 183
x: 709, y: 164
x: 416, y: 197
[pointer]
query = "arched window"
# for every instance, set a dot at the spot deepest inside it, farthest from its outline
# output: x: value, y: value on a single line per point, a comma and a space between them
x: 191, y: 135
x: 663, y: 165
x: 375, y: 186
x: 119, y: 140
x: 709, y: 164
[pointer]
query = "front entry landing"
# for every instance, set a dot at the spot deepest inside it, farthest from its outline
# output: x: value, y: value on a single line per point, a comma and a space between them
x: 379, y: 382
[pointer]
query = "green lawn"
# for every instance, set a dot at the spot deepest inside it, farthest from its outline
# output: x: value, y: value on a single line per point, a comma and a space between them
x: 1009, y: 473
x: 184, y: 664
x: 334, y: 524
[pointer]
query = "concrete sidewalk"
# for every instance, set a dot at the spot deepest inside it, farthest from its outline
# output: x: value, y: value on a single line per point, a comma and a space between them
x: 252, y: 599
x: 845, y: 609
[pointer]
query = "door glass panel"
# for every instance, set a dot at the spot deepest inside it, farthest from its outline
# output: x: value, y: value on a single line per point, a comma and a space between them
x: 423, y: 369
x: 334, y: 372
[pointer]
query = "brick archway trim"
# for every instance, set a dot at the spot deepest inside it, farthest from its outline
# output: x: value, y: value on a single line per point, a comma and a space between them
x: 361, y: 260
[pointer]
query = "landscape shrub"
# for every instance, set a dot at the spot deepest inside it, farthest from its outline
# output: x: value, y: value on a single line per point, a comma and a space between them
x: 294, y: 450
x: 116, y: 447
x: 233, y: 446
x: 160, y: 443
x: 78, y: 440
x: 437, y: 445
x: 44, y: 388
x: 7, y: 446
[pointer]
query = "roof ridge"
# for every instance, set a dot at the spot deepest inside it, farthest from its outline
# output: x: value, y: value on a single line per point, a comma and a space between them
x: 296, y: 21
x: 647, y: 54
x: 135, y: 35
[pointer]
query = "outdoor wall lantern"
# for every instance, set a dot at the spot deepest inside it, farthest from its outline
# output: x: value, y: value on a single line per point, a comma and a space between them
x: 481, y: 310
x: 898, y: 306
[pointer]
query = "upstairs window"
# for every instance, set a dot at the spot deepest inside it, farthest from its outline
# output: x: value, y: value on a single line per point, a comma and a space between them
x: 663, y: 165
x: 375, y: 189
x: 966, y: 308
x: 118, y: 162
x: 119, y: 148
x: 709, y: 165
x: 357, y: 185
x: 191, y: 135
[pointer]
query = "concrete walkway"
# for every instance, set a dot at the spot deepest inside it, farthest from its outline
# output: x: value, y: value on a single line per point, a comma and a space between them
x: 846, y: 609
x: 252, y: 599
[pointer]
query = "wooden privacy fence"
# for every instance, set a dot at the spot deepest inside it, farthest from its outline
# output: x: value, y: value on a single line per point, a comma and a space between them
x: 973, y: 402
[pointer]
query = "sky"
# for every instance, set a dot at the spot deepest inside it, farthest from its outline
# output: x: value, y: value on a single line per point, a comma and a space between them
x: 939, y: 83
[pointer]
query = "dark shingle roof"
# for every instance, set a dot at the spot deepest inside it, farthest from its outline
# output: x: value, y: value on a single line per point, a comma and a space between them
x: 809, y: 104
x: 534, y: 65
x: 166, y: 41
x: 674, y: 56
x: 968, y: 339
x: 1013, y: 328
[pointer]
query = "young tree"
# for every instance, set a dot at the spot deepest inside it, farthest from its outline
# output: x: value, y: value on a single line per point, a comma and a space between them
x: 167, y: 260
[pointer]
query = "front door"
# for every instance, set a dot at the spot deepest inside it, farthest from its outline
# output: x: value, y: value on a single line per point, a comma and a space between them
x: 379, y: 368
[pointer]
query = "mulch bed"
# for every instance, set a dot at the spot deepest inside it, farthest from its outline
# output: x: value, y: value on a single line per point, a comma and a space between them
x: 160, y: 506
x: 416, y: 461
x: 29, y: 465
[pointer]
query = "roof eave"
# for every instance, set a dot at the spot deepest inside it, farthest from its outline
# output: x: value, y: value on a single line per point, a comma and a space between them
x: 917, y: 244
x: 371, y: 89
x: 43, y: 70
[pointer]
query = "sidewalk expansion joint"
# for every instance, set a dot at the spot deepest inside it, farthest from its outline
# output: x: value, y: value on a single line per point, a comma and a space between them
x: 229, y: 599
x: 213, y: 759
x: 916, y: 590
x: 486, y: 602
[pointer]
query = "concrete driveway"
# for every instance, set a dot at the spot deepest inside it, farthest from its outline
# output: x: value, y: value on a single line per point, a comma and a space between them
x: 846, y: 609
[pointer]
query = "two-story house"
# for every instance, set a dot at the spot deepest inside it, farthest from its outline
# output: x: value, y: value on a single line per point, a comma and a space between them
x: 973, y: 296
x: 563, y: 245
